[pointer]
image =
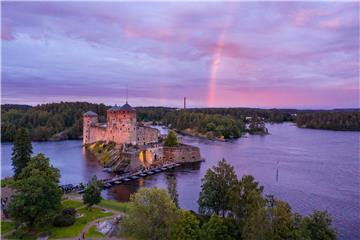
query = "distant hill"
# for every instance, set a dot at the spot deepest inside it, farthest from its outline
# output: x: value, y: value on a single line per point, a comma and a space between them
x: 7, y: 107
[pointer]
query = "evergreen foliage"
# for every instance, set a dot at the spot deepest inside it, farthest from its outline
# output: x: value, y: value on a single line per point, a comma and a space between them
x: 21, y: 152
x: 92, y: 193
x: 331, y: 120
x: 171, y: 139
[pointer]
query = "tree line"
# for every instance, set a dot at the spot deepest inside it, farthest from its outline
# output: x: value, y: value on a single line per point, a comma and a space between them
x: 64, y: 120
x: 331, y: 120
x: 229, y: 208
x: 46, y: 120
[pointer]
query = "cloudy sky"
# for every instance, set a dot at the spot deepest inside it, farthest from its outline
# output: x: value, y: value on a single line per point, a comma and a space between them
x: 300, y: 55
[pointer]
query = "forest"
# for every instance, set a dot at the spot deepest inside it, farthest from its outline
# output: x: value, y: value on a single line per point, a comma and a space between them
x: 63, y: 120
x: 330, y: 120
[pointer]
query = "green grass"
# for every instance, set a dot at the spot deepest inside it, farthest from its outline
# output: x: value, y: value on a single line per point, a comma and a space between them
x: 71, y: 204
x: 117, y: 206
x: 93, y: 233
x: 88, y: 215
x: 7, y: 227
x: 7, y: 181
x: 74, y: 230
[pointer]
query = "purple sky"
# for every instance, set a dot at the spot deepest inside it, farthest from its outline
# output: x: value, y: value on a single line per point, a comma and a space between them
x: 299, y: 55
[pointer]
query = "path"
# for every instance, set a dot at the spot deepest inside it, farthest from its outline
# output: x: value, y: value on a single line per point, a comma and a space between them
x: 92, y: 223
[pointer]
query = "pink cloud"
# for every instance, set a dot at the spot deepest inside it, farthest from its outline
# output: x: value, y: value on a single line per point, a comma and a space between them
x: 6, y: 33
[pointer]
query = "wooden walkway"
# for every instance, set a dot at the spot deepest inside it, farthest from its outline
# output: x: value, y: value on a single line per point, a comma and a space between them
x: 107, y: 183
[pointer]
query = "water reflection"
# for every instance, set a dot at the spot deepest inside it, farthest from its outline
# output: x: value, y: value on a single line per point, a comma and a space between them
x: 172, y: 189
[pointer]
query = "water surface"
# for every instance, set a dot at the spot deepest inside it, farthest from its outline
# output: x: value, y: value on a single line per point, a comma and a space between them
x: 310, y: 169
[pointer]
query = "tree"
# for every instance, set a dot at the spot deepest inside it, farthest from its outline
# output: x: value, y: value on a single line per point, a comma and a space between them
x: 217, y: 228
x: 187, y: 227
x: 22, y: 151
x: 272, y: 221
x: 245, y: 198
x: 92, y: 192
x: 216, y: 189
x: 171, y: 140
x: 38, y: 196
x: 318, y: 224
x: 150, y: 215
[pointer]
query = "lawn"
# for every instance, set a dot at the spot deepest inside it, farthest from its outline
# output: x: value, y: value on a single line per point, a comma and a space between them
x: 117, y: 206
x: 93, y: 233
x: 7, y: 227
x: 74, y: 230
x: 71, y: 204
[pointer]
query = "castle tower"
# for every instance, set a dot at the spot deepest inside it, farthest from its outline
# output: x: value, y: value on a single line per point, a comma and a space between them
x: 121, y: 124
x: 89, y: 118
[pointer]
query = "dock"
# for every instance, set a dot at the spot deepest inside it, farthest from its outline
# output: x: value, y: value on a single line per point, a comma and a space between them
x: 121, y: 179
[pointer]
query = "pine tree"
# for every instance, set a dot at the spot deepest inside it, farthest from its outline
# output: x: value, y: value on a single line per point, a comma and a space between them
x: 22, y: 151
x: 92, y: 193
x: 171, y: 140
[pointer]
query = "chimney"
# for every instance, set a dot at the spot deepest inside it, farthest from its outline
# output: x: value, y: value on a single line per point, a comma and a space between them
x: 184, y: 103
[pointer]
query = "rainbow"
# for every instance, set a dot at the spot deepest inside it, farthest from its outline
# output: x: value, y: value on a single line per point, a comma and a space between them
x: 216, y: 61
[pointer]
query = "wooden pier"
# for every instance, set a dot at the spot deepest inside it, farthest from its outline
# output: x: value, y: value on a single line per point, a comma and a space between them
x: 107, y: 183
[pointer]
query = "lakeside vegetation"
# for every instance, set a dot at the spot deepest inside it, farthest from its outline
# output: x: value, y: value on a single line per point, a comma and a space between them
x: 59, y: 121
x: 34, y: 206
x: 331, y: 120
x: 230, y: 208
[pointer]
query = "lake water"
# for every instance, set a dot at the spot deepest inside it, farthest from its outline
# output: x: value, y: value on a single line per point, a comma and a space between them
x: 310, y: 169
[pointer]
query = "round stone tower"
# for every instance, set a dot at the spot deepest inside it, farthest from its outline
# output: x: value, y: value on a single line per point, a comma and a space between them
x: 121, y: 124
x: 89, y: 118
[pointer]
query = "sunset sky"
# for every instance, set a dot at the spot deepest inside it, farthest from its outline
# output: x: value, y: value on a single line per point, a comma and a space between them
x: 235, y: 54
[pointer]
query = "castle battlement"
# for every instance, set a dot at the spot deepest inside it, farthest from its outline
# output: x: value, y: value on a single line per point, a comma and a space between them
x: 121, y: 127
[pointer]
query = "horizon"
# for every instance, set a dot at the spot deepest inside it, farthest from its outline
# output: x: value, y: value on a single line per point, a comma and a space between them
x: 301, y: 56
x: 179, y: 107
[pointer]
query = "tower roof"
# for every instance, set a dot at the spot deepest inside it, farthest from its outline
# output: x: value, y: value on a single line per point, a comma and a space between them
x: 90, y: 113
x: 125, y: 107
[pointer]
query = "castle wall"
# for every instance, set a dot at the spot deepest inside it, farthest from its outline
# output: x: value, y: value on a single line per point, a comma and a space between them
x: 88, y: 121
x: 121, y: 127
x: 181, y: 154
x: 97, y: 134
x: 146, y: 135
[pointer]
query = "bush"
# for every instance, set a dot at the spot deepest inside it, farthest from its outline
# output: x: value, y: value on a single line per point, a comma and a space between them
x: 64, y: 220
x: 69, y: 211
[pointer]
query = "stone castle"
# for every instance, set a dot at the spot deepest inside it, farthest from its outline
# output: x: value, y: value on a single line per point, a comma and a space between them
x: 121, y: 127
x: 136, y: 146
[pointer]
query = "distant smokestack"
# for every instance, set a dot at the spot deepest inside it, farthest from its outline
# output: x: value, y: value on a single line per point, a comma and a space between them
x: 184, y: 102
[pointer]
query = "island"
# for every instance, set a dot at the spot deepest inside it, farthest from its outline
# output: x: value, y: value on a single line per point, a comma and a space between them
x: 122, y: 144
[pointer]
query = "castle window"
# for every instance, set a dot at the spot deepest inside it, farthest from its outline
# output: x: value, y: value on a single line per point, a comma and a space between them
x: 128, y: 129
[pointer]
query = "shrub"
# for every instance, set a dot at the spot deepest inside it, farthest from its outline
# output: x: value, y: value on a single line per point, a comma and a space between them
x: 64, y: 220
x: 69, y: 211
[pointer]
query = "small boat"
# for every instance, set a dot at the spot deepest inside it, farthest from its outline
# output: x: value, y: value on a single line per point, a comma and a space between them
x: 164, y: 168
x: 150, y: 172
x: 142, y: 175
x: 135, y: 177
x: 117, y: 182
x: 157, y: 170
x: 126, y: 179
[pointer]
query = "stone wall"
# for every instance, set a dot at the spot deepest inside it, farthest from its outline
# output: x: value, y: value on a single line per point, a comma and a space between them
x: 181, y: 154
x: 88, y: 121
x: 146, y: 135
x: 121, y: 127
